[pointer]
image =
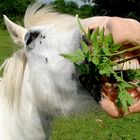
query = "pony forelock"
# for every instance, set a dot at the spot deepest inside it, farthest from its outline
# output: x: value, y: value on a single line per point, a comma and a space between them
x: 11, y: 82
x: 41, y: 14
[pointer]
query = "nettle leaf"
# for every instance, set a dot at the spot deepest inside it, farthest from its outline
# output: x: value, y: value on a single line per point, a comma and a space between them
x: 84, y: 47
x: 95, y: 60
x: 109, y: 39
x: 89, y: 33
x: 82, y: 68
x: 115, y: 47
x: 118, y: 78
x: 133, y: 74
x: 105, y: 49
x: 106, y: 67
x: 107, y: 44
x: 88, y: 56
x: 80, y: 25
x: 94, y: 39
x: 105, y: 70
x: 125, y: 85
x: 101, y: 36
x: 75, y: 57
x: 124, y: 98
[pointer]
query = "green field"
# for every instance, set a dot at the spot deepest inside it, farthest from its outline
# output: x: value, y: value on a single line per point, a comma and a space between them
x: 7, y: 47
x: 92, y: 126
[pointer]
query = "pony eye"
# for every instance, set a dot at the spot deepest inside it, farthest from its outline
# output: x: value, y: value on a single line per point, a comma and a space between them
x: 31, y: 36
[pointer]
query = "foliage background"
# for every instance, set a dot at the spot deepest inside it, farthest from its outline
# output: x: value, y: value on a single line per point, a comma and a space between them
x: 122, y: 8
x: 15, y: 9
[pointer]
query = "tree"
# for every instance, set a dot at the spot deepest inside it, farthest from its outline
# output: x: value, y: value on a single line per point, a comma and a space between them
x: 59, y: 5
x: 15, y: 9
x: 62, y: 6
x: 122, y: 8
x: 72, y: 8
x: 86, y: 11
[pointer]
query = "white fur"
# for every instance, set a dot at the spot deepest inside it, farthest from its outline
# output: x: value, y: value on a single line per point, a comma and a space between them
x: 33, y: 92
x: 16, y: 32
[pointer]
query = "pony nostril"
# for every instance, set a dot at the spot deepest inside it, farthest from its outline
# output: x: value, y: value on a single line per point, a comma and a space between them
x: 31, y: 36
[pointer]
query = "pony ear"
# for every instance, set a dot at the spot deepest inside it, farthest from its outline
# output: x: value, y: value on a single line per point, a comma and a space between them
x: 16, y: 32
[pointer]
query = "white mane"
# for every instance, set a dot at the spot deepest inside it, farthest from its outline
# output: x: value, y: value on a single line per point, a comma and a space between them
x: 40, y: 14
x: 11, y: 82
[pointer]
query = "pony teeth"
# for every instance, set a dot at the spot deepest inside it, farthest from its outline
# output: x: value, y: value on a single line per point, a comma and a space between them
x: 131, y: 64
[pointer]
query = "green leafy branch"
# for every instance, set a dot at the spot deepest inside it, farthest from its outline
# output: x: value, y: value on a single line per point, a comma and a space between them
x: 101, y: 51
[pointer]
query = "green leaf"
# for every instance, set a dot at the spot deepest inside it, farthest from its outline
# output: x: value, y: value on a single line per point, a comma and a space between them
x: 75, y: 57
x: 115, y: 47
x: 109, y: 39
x: 101, y: 36
x: 106, y: 70
x: 107, y: 44
x: 94, y: 39
x: 95, y: 60
x: 84, y: 47
x: 82, y: 68
x: 89, y: 33
x: 105, y: 50
x: 133, y: 74
x: 124, y: 98
x: 80, y: 25
x: 118, y: 78
x: 125, y: 85
x: 106, y: 67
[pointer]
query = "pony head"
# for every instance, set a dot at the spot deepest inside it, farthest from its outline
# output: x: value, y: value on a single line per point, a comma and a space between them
x: 53, y: 79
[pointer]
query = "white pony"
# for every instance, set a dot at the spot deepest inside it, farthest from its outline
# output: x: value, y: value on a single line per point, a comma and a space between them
x: 38, y: 83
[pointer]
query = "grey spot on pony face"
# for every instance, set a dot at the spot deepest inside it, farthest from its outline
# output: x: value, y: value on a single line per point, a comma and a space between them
x: 44, y: 37
x: 46, y: 59
x: 40, y: 42
x: 73, y: 76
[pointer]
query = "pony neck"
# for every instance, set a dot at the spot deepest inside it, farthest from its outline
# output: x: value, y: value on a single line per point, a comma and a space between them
x: 38, y: 124
x: 27, y: 123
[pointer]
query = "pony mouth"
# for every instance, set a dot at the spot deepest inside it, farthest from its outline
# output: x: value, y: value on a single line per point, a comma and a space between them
x: 107, y: 88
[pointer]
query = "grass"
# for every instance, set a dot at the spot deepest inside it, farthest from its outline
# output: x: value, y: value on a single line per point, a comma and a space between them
x: 89, y: 128
x: 97, y: 126
x: 7, y: 47
x: 92, y: 126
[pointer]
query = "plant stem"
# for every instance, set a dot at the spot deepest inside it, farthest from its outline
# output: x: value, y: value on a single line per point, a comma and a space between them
x: 124, y: 51
x: 127, y: 59
x: 120, y: 52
